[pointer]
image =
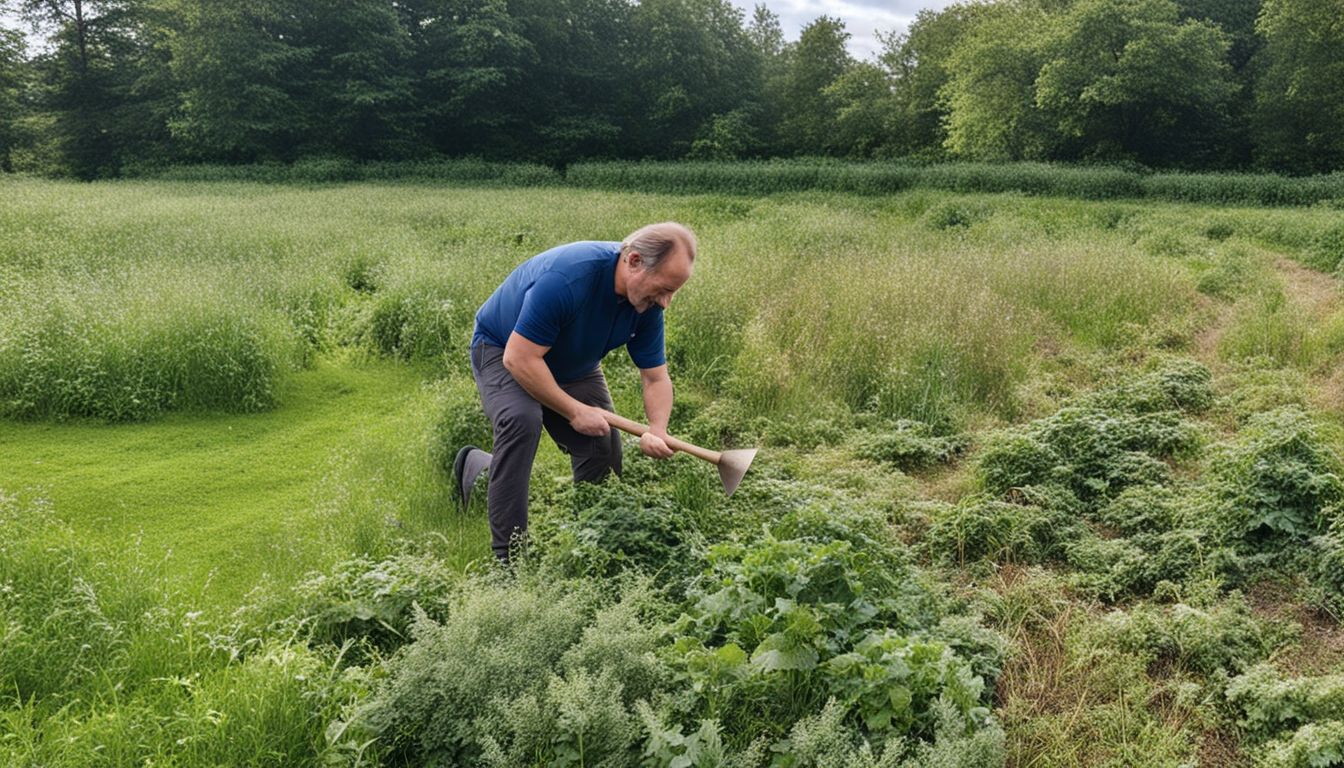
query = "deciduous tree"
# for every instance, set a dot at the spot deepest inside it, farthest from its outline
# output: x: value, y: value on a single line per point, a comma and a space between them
x: 1299, y: 98
x: 1130, y: 79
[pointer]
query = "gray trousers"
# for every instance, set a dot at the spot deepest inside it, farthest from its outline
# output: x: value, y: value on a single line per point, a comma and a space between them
x: 517, y: 420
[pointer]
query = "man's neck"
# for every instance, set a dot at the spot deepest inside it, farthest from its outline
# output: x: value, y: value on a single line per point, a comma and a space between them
x: 620, y: 278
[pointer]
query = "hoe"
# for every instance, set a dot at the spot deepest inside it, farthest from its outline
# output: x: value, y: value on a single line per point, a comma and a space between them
x: 732, y: 464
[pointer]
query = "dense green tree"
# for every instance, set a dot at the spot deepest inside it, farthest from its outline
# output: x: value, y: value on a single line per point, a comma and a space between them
x: 1299, y: 98
x: 1236, y: 18
x: 279, y: 78
x: 917, y: 61
x: 1187, y: 83
x: 101, y: 81
x: 774, y: 56
x: 1130, y: 79
x: 866, y: 121
x: 13, y: 78
x: 244, y: 78
x: 468, y: 57
x: 693, y: 62
x: 573, y: 94
x: 990, y: 93
x: 364, y: 93
x: 818, y: 59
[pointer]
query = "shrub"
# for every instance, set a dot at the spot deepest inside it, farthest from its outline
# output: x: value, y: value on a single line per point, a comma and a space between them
x: 1311, y: 746
x: 956, y: 215
x: 1143, y: 509
x: 1136, y: 566
x: 1268, y: 704
x: 1256, y: 389
x: 364, y: 599
x: 1327, y: 249
x: 979, y: 528
x: 1277, y: 478
x: 1093, y: 453
x: 1330, y: 558
x: 1176, y: 385
x: 324, y: 170
x: 909, y: 445
x: 1205, y: 642
x: 512, y: 669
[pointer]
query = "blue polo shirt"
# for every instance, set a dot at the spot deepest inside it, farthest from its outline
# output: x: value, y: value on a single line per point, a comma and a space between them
x: 566, y: 299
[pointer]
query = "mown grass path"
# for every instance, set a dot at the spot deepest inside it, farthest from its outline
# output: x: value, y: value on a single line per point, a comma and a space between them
x: 227, y: 498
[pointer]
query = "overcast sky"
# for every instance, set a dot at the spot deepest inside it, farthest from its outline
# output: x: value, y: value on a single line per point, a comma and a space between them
x: 863, y: 18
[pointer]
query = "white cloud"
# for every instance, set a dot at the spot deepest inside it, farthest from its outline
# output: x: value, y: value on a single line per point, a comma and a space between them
x: 863, y: 18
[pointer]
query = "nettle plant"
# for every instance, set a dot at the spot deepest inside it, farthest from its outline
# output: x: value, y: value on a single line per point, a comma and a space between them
x: 1279, y: 478
x: 778, y: 627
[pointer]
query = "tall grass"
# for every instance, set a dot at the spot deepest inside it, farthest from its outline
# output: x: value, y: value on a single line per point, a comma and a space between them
x: 473, y: 171
x: 129, y: 299
x: 795, y: 175
x: 119, y: 353
x: 1092, y: 183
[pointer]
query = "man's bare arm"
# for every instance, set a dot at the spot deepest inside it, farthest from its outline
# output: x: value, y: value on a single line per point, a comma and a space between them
x: 658, y: 408
x: 523, y: 359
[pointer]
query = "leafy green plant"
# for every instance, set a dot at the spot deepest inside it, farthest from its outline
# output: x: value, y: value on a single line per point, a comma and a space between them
x: 1314, y: 745
x: 372, y: 600
x: 602, y: 529
x: 1268, y: 704
x: 777, y: 628
x: 1278, y: 477
x: 909, y: 445
x: 1223, y: 638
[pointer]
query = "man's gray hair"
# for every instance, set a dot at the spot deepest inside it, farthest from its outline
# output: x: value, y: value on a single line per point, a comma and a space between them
x: 654, y: 241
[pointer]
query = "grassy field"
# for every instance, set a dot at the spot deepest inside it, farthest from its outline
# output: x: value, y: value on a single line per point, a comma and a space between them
x: 1044, y: 482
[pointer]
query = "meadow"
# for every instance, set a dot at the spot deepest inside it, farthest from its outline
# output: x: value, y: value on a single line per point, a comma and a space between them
x: 1045, y: 481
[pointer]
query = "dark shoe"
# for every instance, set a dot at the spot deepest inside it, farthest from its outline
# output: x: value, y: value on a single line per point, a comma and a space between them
x: 460, y: 463
x: 468, y: 465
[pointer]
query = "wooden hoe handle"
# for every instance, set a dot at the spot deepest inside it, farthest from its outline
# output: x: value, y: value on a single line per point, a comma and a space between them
x: 638, y: 430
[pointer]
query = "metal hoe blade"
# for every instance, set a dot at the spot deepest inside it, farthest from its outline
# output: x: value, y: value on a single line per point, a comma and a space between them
x: 732, y: 466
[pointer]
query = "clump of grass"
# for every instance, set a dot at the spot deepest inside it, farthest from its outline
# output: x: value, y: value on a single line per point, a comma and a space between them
x: 956, y: 215
x: 459, y: 421
x: 1327, y: 249
x: 1234, y: 273
x: 121, y: 354
x: 909, y: 445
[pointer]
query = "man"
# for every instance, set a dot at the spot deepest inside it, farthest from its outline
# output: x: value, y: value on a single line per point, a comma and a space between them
x: 535, y: 352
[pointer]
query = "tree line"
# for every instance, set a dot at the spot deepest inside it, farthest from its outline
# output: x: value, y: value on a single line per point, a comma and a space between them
x: 103, y: 85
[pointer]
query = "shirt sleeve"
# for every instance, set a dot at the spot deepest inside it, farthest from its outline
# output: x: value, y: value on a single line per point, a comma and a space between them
x: 646, y: 348
x: 548, y: 306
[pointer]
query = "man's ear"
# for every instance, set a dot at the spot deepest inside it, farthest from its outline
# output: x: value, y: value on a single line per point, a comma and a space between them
x: 635, y: 260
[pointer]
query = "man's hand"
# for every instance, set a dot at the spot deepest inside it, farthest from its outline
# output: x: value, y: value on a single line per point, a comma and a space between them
x: 654, y: 446
x: 590, y: 421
